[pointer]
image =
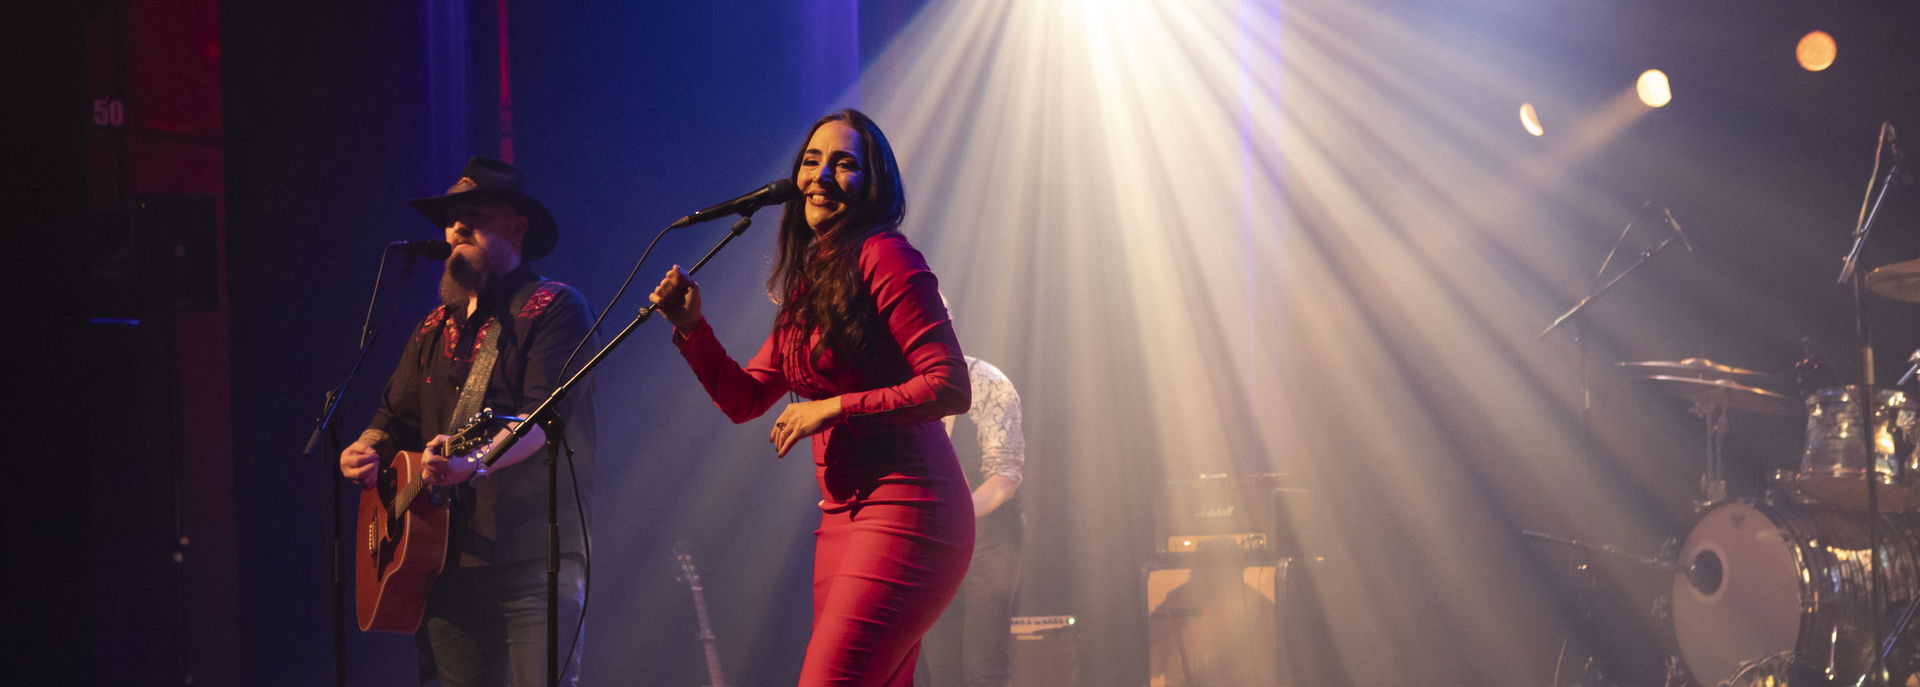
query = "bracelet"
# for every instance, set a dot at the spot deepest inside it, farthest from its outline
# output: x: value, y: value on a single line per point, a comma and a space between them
x: 479, y: 467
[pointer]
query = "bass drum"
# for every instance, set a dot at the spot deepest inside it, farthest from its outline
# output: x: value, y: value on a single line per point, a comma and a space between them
x: 1759, y: 583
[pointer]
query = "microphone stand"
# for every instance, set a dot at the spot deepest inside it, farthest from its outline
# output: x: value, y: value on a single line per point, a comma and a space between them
x: 1579, y: 340
x: 544, y: 417
x: 1582, y: 572
x: 323, y: 426
x: 1863, y: 337
x: 1644, y: 256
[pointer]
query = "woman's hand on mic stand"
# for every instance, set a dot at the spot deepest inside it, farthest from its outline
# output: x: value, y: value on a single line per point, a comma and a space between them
x: 678, y: 298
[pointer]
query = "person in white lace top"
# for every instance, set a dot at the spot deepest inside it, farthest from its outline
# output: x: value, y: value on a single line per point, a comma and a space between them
x: 970, y: 644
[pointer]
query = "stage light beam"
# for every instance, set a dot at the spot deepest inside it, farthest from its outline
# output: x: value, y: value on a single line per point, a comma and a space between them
x: 1257, y: 221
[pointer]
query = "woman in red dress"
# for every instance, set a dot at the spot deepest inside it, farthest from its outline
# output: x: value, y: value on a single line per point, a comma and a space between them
x: 862, y: 334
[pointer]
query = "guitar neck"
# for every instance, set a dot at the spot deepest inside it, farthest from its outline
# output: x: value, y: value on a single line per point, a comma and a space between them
x: 706, y: 638
x: 408, y: 493
x: 469, y: 437
x: 692, y: 578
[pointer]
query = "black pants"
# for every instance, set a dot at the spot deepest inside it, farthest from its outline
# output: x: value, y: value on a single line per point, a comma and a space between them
x: 488, y: 626
x: 970, y: 645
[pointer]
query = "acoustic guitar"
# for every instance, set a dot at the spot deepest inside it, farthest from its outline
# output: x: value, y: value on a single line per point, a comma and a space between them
x: 401, y: 538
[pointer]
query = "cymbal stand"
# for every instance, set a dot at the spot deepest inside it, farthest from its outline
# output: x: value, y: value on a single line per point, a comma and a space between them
x: 1713, y: 482
x: 1877, y: 186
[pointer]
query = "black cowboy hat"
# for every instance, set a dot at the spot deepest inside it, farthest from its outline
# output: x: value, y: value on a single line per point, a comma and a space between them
x: 490, y: 179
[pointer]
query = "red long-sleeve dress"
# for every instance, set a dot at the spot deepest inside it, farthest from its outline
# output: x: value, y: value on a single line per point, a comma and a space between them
x: 896, y: 527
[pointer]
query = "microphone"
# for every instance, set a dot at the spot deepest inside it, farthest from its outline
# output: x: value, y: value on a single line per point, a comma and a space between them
x: 431, y: 249
x: 777, y: 192
x: 1671, y: 222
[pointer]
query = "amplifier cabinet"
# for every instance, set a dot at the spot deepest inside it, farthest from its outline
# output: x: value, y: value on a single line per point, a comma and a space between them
x: 1214, y: 625
x: 1230, y: 621
x: 1046, y: 651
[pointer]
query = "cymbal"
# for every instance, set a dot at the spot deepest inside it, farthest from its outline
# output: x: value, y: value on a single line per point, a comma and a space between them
x: 1899, y: 281
x: 1698, y: 368
x: 1733, y: 395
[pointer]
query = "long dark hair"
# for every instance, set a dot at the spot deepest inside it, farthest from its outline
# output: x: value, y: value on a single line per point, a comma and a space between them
x: 816, y: 279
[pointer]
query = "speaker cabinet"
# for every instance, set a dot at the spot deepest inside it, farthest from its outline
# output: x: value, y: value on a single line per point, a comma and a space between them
x: 1046, y: 652
x: 179, y: 255
x: 1231, y: 618
x: 1214, y: 625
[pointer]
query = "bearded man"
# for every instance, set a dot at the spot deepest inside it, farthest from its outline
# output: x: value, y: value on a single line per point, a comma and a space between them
x: 502, y: 326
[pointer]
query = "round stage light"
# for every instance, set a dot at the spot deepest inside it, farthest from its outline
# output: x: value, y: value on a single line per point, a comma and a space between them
x: 1653, y: 88
x: 1816, y: 51
x: 1531, y: 120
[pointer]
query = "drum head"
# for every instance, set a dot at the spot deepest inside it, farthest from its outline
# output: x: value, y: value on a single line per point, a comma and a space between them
x: 1736, y: 596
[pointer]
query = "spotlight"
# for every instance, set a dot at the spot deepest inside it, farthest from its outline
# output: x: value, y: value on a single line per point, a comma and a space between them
x: 1653, y: 88
x: 1531, y: 120
x: 1816, y: 51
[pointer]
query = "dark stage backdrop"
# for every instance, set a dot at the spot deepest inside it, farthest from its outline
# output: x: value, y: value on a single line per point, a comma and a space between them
x: 326, y: 128
x: 627, y: 116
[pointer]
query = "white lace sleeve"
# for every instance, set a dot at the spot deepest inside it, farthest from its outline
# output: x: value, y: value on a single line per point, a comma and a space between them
x: 996, y: 412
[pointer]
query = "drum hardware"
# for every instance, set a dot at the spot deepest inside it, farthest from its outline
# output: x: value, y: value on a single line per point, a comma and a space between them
x: 1712, y: 393
x: 1898, y: 281
x: 1605, y: 549
x: 1593, y: 671
x: 1783, y: 489
x: 1899, y: 628
x: 1712, y: 400
x: 1677, y: 675
x: 1812, y: 373
x: 1699, y: 368
x: 1771, y: 670
x: 1914, y: 367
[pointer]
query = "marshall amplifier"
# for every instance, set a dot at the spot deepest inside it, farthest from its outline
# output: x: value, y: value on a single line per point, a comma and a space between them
x: 1220, y: 511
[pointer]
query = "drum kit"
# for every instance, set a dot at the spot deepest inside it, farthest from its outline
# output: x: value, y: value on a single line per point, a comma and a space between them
x: 1817, y: 581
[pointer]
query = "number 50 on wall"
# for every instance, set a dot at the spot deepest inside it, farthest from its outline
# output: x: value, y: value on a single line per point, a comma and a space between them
x: 109, y: 112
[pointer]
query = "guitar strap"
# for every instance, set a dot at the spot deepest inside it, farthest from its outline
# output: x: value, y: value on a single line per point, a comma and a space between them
x: 474, y: 394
